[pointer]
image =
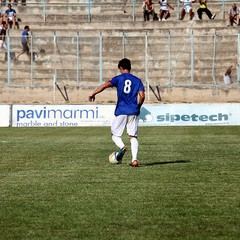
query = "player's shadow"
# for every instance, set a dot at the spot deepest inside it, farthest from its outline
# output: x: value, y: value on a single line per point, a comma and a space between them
x: 163, y: 163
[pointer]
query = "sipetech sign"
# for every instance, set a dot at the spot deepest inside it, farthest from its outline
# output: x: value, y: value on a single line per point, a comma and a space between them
x: 219, y: 117
x: 190, y: 114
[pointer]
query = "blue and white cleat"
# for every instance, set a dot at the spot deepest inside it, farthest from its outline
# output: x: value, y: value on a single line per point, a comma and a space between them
x: 121, y: 154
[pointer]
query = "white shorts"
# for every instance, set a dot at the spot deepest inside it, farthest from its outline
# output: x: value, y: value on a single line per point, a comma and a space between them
x: 187, y: 8
x: 227, y: 79
x: 3, y: 44
x: 164, y: 8
x: 129, y: 121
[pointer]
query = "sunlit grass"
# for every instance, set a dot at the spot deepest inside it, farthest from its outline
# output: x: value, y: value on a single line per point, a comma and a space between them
x: 57, y: 183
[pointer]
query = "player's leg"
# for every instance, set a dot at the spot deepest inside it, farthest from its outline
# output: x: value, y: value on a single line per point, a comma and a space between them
x: 27, y: 50
x: 134, y: 149
x: 14, y: 22
x: 132, y: 131
x: 209, y: 14
x: 200, y: 12
x: 23, y: 51
x: 191, y: 14
x: 166, y: 14
x: 238, y: 19
x: 182, y: 14
x: 117, y: 128
x: 160, y: 15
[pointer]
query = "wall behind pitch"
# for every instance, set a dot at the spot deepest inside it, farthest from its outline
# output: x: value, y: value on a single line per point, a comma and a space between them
x: 102, y: 115
x: 5, y: 113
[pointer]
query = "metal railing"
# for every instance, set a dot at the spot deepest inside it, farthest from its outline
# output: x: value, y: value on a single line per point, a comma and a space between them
x: 81, y: 60
x: 132, y: 5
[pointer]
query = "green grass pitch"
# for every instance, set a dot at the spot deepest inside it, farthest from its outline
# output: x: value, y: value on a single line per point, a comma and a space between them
x: 57, y: 183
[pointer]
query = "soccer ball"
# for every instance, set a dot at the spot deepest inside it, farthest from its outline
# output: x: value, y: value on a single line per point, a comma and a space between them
x: 113, y: 158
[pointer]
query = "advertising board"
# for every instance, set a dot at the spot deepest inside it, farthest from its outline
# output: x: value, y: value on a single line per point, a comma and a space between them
x: 5, y: 115
x: 61, y: 115
x: 102, y: 115
x: 190, y: 114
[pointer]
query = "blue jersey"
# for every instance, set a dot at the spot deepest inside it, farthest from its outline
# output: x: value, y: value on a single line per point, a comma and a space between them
x: 10, y: 12
x: 128, y: 86
x: 24, y: 35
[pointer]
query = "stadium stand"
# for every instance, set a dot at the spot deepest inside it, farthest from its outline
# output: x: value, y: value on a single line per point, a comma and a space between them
x: 82, y: 50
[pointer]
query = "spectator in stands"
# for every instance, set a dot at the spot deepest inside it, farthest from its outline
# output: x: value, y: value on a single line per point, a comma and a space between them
x: 16, y: 2
x: 11, y: 15
x: 25, y: 43
x: 1, y: 16
x: 203, y: 8
x: 148, y: 9
x: 24, y: 2
x: 227, y: 76
x: 233, y: 15
x: 187, y: 8
x: 164, y: 13
x: 3, y: 35
x: 3, y: 2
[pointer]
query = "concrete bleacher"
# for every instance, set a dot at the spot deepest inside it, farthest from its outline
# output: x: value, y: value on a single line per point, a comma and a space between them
x: 68, y: 21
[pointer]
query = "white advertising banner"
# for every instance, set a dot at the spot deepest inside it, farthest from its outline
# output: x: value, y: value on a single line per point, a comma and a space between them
x: 61, y: 115
x: 190, y: 114
x: 102, y: 115
x: 4, y: 115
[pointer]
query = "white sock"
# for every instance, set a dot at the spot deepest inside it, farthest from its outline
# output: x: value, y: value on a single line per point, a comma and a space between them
x: 134, y: 148
x: 118, y: 141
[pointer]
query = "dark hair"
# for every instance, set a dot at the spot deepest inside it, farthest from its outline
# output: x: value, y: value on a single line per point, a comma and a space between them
x: 125, y: 64
x: 26, y: 28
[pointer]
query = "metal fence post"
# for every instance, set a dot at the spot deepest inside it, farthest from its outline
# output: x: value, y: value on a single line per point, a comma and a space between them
x: 55, y: 53
x: 192, y: 58
x: 31, y: 55
x: 178, y: 9
x: 78, y: 57
x: 238, y: 74
x: 9, y: 58
x: 44, y: 10
x: 100, y: 58
x: 169, y: 58
x: 223, y: 8
x: 123, y: 45
x: 146, y: 65
x: 133, y: 10
x: 214, y: 58
x: 89, y: 11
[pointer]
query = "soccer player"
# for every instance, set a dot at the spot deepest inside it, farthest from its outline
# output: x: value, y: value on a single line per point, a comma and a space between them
x: 131, y: 95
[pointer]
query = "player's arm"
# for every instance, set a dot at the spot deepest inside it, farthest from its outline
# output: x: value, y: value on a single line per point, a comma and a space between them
x: 228, y: 71
x: 141, y: 98
x: 170, y: 6
x: 101, y: 88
